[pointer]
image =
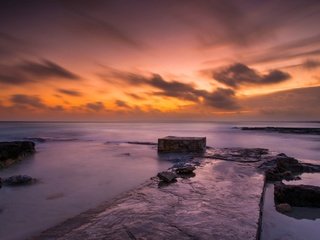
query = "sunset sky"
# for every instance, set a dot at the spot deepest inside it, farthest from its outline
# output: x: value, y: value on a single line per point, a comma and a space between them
x: 159, y: 60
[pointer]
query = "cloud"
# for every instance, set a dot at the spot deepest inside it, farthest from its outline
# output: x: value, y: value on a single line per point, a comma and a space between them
x: 29, y: 72
x: 26, y: 100
x: 239, y: 74
x: 95, y: 106
x: 311, y: 64
x: 123, y: 104
x: 220, y: 98
x: 297, y: 104
x: 100, y: 27
x: 70, y: 92
x: 46, y: 69
x: 242, y: 23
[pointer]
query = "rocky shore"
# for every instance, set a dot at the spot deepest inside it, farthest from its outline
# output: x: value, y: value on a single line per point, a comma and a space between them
x: 12, y: 152
x: 289, y: 130
x: 221, y: 197
x: 216, y: 194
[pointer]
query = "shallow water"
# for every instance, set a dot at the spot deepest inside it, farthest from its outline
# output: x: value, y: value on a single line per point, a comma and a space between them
x: 77, y: 170
x: 300, y: 224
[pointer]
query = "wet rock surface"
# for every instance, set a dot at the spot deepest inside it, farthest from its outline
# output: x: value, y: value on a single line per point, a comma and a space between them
x: 283, y: 208
x: 167, y: 176
x: 11, y: 152
x: 237, y: 154
x: 283, y: 167
x: 297, y: 195
x: 18, y: 180
x: 289, y: 130
x: 222, y: 201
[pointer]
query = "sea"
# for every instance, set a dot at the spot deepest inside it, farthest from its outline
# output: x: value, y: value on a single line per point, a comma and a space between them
x: 80, y: 165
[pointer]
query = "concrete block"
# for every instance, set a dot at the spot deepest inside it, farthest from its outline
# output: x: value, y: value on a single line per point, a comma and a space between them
x: 181, y: 144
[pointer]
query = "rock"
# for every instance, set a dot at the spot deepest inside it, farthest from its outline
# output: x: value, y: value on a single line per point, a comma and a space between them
x: 11, y: 152
x: 167, y: 176
x: 283, y: 207
x: 182, y: 144
x: 18, y: 180
x: 36, y: 139
x: 297, y: 195
x: 187, y: 169
x: 288, y: 130
x: 288, y: 168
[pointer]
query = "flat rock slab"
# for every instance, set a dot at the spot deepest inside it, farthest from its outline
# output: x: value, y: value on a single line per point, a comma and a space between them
x: 220, y: 202
x: 181, y: 144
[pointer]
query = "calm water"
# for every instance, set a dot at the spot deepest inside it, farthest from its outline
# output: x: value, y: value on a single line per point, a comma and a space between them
x: 77, y: 170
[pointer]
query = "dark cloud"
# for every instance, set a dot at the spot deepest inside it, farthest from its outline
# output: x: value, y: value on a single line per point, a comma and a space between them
x: 46, y: 69
x: 239, y: 74
x: 221, y: 98
x: 95, y: 106
x: 135, y: 96
x: 121, y: 103
x: 29, y: 71
x: 174, y: 88
x: 311, y: 64
x: 70, y: 92
x: 13, y: 78
x: 26, y: 100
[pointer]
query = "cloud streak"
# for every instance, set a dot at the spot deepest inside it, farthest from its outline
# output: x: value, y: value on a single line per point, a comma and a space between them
x: 31, y: 72
x: 239, y: 74
x: 220, y: 98
x: 70, y: 92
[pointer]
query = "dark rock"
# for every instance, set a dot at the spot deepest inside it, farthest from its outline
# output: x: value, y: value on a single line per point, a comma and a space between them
x: 182, y: 144
x: 11, y: 152
x: 297, y: 195
x: 187, y: 169
x: 283, y: 207
x: 143, y: 143
x: 288, y: 130
x: 167, y: 176
x: 288, y: 168
x: 237, y: 154
x: 18, y: 180
x: 36, y: 139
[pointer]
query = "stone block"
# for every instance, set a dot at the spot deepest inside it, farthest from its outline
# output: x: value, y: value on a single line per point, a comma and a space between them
x: 181, y: 144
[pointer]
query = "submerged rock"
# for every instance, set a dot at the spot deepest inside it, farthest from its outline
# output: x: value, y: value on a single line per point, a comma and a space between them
x: 167, y: 176
x: 283, y: 167
x: 187, y: 169
x: 297, y: 195
x: 18, y: 180
x: 11, y: 152
x: 283, y: 207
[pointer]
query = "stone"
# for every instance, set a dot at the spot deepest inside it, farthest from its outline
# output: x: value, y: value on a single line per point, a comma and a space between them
x: 283, y: 208
x: 187, y: 169
x: 287, y: 130
x: 181, y: 144
x: 11, y: 152
x: 297, y: 195
x: 167, y: 176
x: 18, y: 180
x: 288, y: 168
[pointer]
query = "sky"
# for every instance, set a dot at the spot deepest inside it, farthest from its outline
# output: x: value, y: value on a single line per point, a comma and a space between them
x: 123, y: 60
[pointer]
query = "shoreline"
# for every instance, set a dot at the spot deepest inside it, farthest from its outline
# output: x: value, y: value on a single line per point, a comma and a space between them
x: 199, y: 187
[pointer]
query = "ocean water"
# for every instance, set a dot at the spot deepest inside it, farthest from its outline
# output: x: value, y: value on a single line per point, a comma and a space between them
x: 84, y: 164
